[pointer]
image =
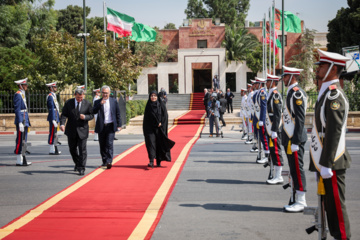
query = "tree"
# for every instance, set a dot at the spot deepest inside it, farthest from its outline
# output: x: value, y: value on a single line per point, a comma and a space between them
x: 150, y: 53
x: 238, y: 43
x: 170, y: 26
x: 229, y: 12
x: 95, y: 22
x: 306, y: 58
x: 15, y: 63
x: 15, y: 25
x: 71, y: 19
x: 195, y: 9
x: 344, y: 29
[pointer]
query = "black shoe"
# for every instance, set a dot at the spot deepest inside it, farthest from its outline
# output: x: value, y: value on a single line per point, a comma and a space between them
x: 81, y: 172
x: 151, y: 165
x: 103, y: 165
x: 75, y: 169
x: 108, y: 165
x: 115, y: 138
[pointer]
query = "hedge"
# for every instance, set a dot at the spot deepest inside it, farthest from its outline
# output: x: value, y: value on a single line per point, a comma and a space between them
x: 134, y: 108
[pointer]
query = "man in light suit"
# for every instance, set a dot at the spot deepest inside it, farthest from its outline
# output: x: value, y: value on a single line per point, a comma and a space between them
x: 108, y: 122
x: 78, y: 113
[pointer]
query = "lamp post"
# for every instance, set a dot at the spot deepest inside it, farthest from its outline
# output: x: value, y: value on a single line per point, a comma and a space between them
x: 85, y: 58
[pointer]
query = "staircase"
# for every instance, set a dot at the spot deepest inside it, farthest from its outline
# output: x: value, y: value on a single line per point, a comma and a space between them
x: 196, y: 101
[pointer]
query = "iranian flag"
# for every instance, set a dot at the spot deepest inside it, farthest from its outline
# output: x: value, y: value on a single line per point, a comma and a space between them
x: 120, y: 23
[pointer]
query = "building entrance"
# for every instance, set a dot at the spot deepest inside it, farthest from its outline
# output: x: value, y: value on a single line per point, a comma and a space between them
x: 201, y: 79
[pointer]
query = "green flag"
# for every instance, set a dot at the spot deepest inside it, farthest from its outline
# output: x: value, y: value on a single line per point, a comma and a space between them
x: 291, y: 21
x: 143, y: 33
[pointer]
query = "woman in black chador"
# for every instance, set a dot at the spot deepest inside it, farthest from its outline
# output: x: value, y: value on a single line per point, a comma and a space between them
x: 155, y: 127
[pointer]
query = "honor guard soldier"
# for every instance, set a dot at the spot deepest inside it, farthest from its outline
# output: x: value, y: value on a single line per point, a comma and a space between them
x: 261, y: 102
x: 243, y: 113
x: 22, y: 123
x: 53, y: 118
x: 248, y: 114
x: 328, y: 153
x: 294, y: 136
x: 273, y: 125
x: 250, y: 105
x: 96, y: 97
x: 255, y: 117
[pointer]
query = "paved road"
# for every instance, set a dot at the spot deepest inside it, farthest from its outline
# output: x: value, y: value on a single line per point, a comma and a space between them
x: 221, y: 192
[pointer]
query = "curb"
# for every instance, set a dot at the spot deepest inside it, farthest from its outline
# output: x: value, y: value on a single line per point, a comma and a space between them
x: 33, y: 132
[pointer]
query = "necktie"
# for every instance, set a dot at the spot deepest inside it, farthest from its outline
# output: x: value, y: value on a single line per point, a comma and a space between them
x: 78, y: 110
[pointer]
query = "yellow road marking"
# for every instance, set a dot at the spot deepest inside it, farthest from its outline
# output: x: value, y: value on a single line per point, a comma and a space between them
x: 152, y: 211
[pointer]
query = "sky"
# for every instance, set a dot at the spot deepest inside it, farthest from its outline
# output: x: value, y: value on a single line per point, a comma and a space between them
x: 160, y: 12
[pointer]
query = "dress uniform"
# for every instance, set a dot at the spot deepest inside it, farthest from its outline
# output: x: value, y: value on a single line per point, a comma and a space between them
x: 53, y: 118
x: 250, y: 105
x: 96, y: 97
x: 243, y: 113
x: 22, y: 122
x: 328, y: 153
x: 261, y: 102
x: 248, y: 114
x: 255, y: 117
x: 294, y: 136
x: 273, y: 125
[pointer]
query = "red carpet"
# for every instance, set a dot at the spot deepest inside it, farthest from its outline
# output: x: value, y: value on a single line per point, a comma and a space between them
x: 191, y: 117
x: 197, y: 102
x: 125, y: 202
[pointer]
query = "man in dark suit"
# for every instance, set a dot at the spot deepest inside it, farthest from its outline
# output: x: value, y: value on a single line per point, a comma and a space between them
x: 108, y: 122
x: 223, y: 103
x: 229, y: 96
x: 78, y: 113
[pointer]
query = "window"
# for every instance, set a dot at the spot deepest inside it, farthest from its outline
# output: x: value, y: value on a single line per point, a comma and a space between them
x: 285, y: 40
x: 202, y: 44
x: 173, y: 83
x: 231, y: 81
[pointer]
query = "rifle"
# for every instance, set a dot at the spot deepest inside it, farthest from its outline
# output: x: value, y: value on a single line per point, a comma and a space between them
x: 24, y: 147
x: 259, y: 142
x: 291, y: 185
x: 318, y: 213
x: 270, y: 164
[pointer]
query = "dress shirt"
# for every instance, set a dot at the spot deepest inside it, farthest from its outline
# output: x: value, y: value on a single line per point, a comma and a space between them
x: 107, y: 112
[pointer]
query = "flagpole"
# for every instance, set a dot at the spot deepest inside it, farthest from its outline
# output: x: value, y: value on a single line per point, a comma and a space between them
x: 263, y: 52
x: 264, y: 46
x: 104, y: 6
x: 273, y: 20
x: 283, y: 47
x: 269, y: 41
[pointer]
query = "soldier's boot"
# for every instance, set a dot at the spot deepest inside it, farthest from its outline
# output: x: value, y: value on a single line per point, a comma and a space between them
x: 54, y: 150
x: 264, y: 159
x: 299, y: 205
x: 244, y: 136
x: 278, y: 179
x: 254, y: 148
x: 19, y: 160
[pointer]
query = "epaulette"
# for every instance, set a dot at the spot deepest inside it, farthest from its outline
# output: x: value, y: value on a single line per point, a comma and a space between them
x: 332, y: 87
x: 296, y: 89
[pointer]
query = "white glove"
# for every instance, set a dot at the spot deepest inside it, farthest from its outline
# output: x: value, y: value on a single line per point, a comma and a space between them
x: 294, y: 147
x: 261, y: 123
x: 273, y: 135
x: 54, y: 123
x: 326, y: 172
x: 21, y: 127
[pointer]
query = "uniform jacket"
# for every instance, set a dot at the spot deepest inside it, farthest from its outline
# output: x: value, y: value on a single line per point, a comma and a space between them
x: 255, y: 119
x: 19, y: 105
x: 298, y: 113
x: 53, y: 113
x: 115, y: 114
x: 274, y: 109
x: 334, y: 115
x: 262, y: 100
x: 74, y: 124
x: 230, y: 97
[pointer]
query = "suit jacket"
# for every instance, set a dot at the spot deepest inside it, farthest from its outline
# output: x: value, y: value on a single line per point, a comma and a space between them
x: 223, y: 103
x: 230, y: 97
x: 334, y: 115
x: 75, y: 125
x: 115, y: 114
x: 299, y: 104
x: 206, y: 98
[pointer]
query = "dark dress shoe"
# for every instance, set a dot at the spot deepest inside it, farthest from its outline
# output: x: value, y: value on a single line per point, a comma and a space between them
x: 108, y: 166
x: 75, y: 169
x: 81, y: 172
x: 115, y: 138
x: 151, y: 165
x: 103, y: 165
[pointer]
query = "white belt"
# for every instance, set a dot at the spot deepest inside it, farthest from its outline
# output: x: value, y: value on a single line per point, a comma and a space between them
x: 321, y: 134
x: 271, y: 114
x: 23, y: 110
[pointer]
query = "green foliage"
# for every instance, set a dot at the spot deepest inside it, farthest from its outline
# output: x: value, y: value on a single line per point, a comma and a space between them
x: 238, y: 43
x: 195, y: 9
x: 15, y: 25
x: 150, y: 53
x: 15, y: 63
x: 71, y: 19
x: 134, y: 108
x: 352, y: 90
x: 170, y: 26
x: 306, y: 58
x: 94, y: 22
x: 344, y: 29
x: 254, y: 60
